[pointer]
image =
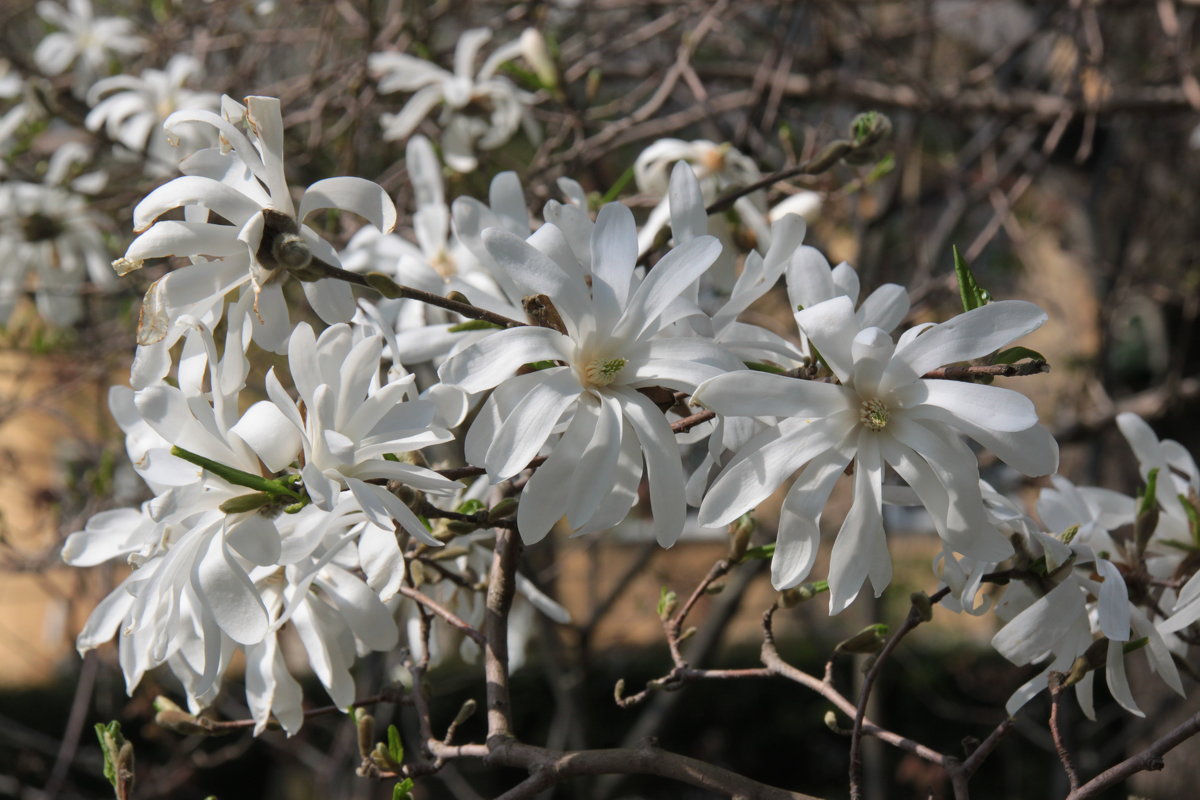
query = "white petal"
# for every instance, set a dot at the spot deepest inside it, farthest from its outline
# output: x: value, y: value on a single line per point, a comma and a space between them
x: 988, y: 406
x: 368, y: 618
x: 664, y: 469
x: 356, y: 195
x: 1114, y: 602
x: 673, y: 274
x: 230, y: 595
x: 526, y: 429
x: 860, y: 550
x: 832, y: 326
x: 270, y: 434
x: 614, y: 252
x: 799, y: 537
x: 763, y: 463
x: 490, y: 361
x: 758, y: 394
x: 970, y: 335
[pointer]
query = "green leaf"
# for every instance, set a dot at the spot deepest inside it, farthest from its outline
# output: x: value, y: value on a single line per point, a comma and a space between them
x: 973, y: 295
x: 403, y: 790
x: 395, y: 746
x: 540, y: 365
x: 1148, y: 500
x: 474, y: 325
x: 470, y: 506
x: 1193, y: 517
x: 761, y: 552
x: 1014, y: 354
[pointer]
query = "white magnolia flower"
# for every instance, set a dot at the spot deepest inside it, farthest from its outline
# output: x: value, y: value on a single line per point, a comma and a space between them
x: 482, y: 110
x: 1056, y: 619
x: 350, y: 423
x: 718, y: 168
x: 87, y: 41
x: 161, y: 615
x: 881, y: 413
x: 1096, y: 511
x: 612, y: 343
x: 439, y: 262
x: 262, y: 236
x: 48, y: 231
x: 133, y: 109
x: 1177, y: 474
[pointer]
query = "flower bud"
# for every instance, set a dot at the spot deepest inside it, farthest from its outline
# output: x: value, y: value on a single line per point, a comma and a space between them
x: 533, y: 48
x: 869, y: 640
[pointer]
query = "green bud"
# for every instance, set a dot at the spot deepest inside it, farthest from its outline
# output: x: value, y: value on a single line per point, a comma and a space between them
x: 246, y: 502
x: 689, y: 633
x: 667, y: 602
x: 384, y: 285
x: 380, y: 757
x: 474, y: 325
x: 118, y: 758
x: 1092, y: 658
x: 740, y: 531
x: 403, y: 790
x: 465, y: 712
x: 923, y: 605
x: 869, y: 640
x: 714, y: 588
x: 831, y: 722
x: 503, y: 509
x: 446, y: 553
x: 1147, y: 516
x: 365, y: 723
x: 395, y: 747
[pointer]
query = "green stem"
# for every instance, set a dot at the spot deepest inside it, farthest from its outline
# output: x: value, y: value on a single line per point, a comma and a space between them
x: 236, y: 476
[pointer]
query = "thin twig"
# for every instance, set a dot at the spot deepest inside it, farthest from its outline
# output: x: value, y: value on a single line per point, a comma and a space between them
x: 1060, y: 745
x: 446, y: 614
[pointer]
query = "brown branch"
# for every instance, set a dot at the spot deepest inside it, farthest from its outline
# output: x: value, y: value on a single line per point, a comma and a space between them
x: 1060, y: 746
x: 553, y: 767
x: 446, y: 614
x: 916, y: 615
x: 1149, y: 759
x: 775, y: 663
x: 501, y: 587
x: 396, y: 290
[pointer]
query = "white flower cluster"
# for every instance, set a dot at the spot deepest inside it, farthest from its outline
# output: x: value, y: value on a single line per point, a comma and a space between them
x: 589, y: 372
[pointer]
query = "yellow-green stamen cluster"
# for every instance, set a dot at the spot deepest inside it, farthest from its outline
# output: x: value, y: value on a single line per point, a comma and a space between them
x: 602, y: 372
x: 874, y: 414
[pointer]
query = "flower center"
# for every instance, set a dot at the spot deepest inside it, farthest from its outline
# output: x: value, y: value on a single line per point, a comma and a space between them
x: 39, y: 227
x: 443, y: 264
x: 874, y: 414
x: 603, y: 371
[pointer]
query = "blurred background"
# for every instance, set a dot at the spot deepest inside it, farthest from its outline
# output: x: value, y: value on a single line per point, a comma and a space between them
x: 1056, y: 144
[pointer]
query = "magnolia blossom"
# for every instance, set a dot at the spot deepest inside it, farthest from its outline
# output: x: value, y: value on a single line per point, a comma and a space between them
x: 439, y: 261
x: 1056, y: 620
x: 263, y: 237
x: 608, y: 342
x: 132, y: 110
x: 48, y: 231
x: 482, y: 110
x: 87, y: 41
x: 1178, y: 475
x: 881, y: 412
x: 718, y: 168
